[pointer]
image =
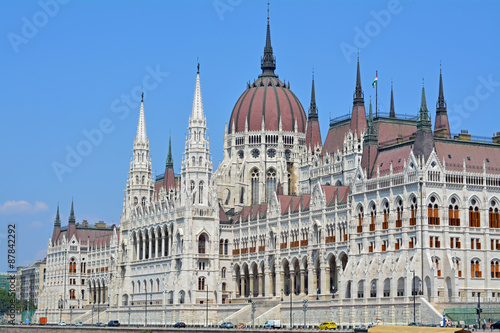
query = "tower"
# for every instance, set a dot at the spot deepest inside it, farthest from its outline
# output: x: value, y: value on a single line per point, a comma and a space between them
x: 392, y: 113
x: 57, y: 226
x: 313, y: 134
x: 196, y: 170
x: 140, y: 183
x: 441, y: 125
x: 358, y: 117
x: 424, y: 142
x: 370, y: 144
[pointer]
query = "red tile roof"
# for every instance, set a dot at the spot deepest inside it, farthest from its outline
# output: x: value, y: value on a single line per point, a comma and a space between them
x: 455, y: 152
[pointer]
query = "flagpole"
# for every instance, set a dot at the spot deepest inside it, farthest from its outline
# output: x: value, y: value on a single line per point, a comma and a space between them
x: 376, y: 95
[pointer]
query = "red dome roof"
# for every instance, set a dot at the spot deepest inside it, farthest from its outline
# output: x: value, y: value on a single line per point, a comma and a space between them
x: 268, y: 99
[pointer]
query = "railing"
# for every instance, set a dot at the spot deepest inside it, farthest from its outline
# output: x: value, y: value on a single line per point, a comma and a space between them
x: 339, y: 119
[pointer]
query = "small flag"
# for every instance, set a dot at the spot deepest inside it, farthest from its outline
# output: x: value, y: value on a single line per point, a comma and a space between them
x: 375, y: 82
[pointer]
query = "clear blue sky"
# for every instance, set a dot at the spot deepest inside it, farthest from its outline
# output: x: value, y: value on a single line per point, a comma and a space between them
x: 68, y: 69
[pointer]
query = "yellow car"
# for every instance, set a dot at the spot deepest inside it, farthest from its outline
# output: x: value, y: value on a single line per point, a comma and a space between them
x: 327, y: 325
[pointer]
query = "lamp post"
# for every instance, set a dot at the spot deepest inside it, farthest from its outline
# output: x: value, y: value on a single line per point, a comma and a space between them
x: 304, y: 307
x: 317, y: 293
x: 60, y: 309
x: 206, y: 319
x: 165, y: 305
x: 70, y: 315
x: 146, y: 308
x: 129, y: 315
x: 414, y: 292
x: 253, y: 307
x: 98, y: 320
x: 282, y: 295
x: 291, y: 292
x: 229, y: 297
x: 93, y: 314
x: 333, y: 292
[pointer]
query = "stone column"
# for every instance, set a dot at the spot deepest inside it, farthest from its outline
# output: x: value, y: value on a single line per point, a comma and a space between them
x: 137, y: 247
x: 302, y: 281
x: 162, y: 245
x: 156, y: 246
x: 149, y: 249
x: 270, y: 285
x: 251, y: 283
x: 260, y: 277
x: 292, y: 282
x: 324, y: 276
x: 282, y: 282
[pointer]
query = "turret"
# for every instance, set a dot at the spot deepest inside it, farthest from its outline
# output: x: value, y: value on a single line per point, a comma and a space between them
x: 441, y: 125
x: 424, y: 142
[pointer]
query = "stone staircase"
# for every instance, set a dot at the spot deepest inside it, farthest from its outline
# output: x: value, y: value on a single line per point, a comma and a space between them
x: 86, y: 318
x: 244, y: 315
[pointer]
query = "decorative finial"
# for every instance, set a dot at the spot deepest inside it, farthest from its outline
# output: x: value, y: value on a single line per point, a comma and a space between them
x: 198, y: 61
x: 142, y: 97
x: 268, y: 12
x: 313, y: 73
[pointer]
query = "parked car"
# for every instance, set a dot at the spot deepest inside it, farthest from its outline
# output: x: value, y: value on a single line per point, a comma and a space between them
x: 115, y: 323
x: 414, y: 324
x: 100, y: 324
x: 327, y: 325
x: 226, y: 325
x: 180, y: 324
x: 495, y: 325
x: 272, y: 324
x: 62, y: 323
x: 79, y: 323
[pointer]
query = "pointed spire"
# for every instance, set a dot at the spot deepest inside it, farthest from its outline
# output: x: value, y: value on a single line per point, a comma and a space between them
x: 441, y: 104
x: 268, y: 61
x: 313, y: 109
x: 141, y: 126
x: 197, y: 112
x: 392, y: 113
x: 71, y: 218
x: 424, y: 119
x: 358, y: 94
x: 170, y: 161
x: 57, y: 222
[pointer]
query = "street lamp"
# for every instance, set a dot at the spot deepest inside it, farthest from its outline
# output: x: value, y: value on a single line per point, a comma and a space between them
x: 107, y: 312
x: 93, y: 313
x: 60, y: 308
x: 304, y: 307
x: 70, y: 315
x: 165, y: 305
x: 291, y: 292
x: 229, y: 297
x: 206, y: 319
x: 414, y: 292
x: 282, y: 295
x: 317, y: 293
x: 129, y: 315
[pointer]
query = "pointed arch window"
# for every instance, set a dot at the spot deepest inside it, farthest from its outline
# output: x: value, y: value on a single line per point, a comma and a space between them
x: 495, y: 269
x: 192, y: 189
x: 201, y: 283
x: 373, y: 217
x: 201, y: 244
x: 474, y: 215
x: 270, y: 183
x: 413, y: 211
x: 494, y: 217
x: 385, y: 224
x: 200, y: 190
x: 143, y: 180
x: 453, y: 213
x: 433, y: 212
x: 255, y: 186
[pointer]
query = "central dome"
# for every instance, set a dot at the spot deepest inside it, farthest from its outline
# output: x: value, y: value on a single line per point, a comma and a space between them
x: 267, y: 101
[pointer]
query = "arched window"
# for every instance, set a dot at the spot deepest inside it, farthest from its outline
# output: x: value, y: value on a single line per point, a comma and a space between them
x: 474, y: 267
x: 399, y: 212
x: 433, y: 212
x: 143, y: 179
x: 495, y: 269
x: 143, y: 202
x: 223, y: 273
x: 360, y: 219
x: 255, y: 186
x: 201, y: 161
x: 201, y: 244
x: 270, y: 183
x: 385, y: 224
x: 193, y: 160
x: 474, y: 215
x: 494, y: 217
x: 223, y: 286
x: 373, y: 216
x: 201, y: 283
x: 200, y: 190
x: 453, y: 217
x: 221, y: 247
x: 413, y: 211
x: 226, y: 245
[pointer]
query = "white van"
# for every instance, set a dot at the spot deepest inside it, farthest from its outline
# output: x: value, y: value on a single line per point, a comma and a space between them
x: 273, y: 324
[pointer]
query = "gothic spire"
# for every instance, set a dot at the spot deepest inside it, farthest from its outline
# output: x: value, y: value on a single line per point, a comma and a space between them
x: 268, y: 61
x: 141, y: 126
x: 170, y: 161
x: 313, y: 109
x: 71, y: 218
x: 441, y: 104
x: 424, y: 119
x: 358, y: 94
x: 371, y: 134
x: 57, y: 222
x: 197, y: 112
x: 392, y: 113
